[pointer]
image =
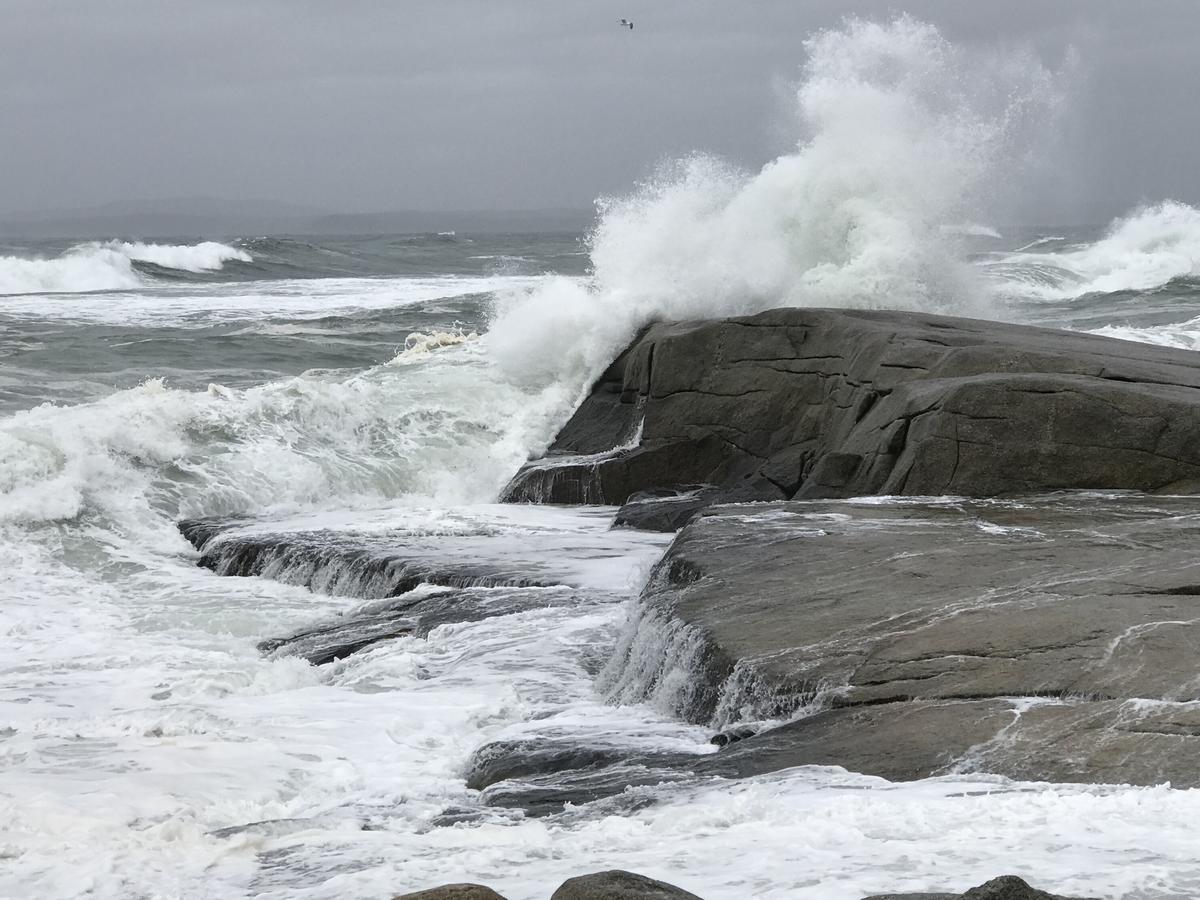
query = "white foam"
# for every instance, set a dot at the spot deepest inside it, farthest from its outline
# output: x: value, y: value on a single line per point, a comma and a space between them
x: 1183, y: 335
x: 185, y: 304
x: 107, y: 266
x: 1145, y: 249
x: 419, y: 345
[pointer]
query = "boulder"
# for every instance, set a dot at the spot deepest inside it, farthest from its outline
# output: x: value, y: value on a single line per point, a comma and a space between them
x: 813, y: 403
x: 462, y: 891
x: 617, y: 884
x: 1006, y: 887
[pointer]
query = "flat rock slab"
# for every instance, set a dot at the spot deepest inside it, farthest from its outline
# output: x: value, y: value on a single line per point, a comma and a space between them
x: 377, y: 554
x: 812, y: 403
x: 1053, y: 638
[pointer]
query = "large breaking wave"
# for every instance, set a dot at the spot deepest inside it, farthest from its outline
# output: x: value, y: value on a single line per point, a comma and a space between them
x: 109, y: 266
x: 1148, y: 248
x: 905, y: 135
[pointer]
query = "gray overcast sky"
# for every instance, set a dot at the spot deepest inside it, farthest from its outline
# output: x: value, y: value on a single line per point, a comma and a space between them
x: 361, y: 105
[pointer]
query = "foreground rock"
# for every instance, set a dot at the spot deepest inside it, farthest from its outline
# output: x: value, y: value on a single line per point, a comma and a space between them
x: 1007, y: 887
x: 802, y: 403
x: 1045, y: 639
x: 617, y: 884
x: 1052, y: 638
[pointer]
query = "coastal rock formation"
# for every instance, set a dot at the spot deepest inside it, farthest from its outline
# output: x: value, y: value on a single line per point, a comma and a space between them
x: 814, y: 403
x: 1044, y: 639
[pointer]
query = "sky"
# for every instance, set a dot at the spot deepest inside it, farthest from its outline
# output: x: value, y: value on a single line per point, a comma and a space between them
x: 369, y: 105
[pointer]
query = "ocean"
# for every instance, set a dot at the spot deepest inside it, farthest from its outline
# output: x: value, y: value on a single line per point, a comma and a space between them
x: 390, y: 385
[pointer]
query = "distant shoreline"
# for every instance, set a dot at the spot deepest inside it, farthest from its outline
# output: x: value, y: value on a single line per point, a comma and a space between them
x: 88, y: 225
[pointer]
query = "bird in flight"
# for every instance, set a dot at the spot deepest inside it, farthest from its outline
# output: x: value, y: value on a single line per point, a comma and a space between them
x: 627, y: 23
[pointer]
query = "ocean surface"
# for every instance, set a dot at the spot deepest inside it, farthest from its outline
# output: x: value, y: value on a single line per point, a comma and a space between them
x: 148, y: 748
x: 391, y: 385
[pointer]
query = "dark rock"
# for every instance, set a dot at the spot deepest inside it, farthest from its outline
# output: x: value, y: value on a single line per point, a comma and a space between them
x: 542, y: 776
x: 733, y: 735
x: 619, y: 885
x: 453, y: 892
x: 369, y: 566
x: 411, y: 614
x: 669, y: 509
x: 1044, y: 639
x: 504, y: 760
x: 1006, y: 887
x: 1010, y: 887
x: 837, y: 403
x: 629, y: 781
x: 373, y: 561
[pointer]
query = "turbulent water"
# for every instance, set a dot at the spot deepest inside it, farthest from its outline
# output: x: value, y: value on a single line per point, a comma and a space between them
x: 395, y: 382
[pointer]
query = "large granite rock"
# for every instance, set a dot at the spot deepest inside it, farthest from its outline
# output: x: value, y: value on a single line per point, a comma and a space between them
x: 1046, y: 639
x: 811, y: 403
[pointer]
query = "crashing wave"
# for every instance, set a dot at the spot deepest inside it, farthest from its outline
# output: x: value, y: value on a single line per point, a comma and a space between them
x: 419, y: 345
x: 1148, y: 248
x: 905, y: 133
x: 109, y: 266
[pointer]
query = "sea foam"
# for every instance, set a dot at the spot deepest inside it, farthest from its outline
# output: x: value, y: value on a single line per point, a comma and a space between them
x: 109, y: 266
x: 1147, y: 248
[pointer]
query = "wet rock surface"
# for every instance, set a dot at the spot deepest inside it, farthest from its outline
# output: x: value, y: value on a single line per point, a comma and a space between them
x: 1051, y: 638
x: 416, y: 613
x: 349, y: 563
x: 1044, y: 639
x: 804, y: 403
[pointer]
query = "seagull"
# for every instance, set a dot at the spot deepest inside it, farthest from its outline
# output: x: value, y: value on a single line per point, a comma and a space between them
x: 627, y: 23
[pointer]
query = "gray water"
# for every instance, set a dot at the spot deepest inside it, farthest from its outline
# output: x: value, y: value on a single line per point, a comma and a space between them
x: 387, y: 387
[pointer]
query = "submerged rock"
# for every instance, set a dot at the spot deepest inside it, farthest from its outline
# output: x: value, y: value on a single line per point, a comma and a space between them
x: 804, y: 403
x: 617, y: 884
x: 415, y: 613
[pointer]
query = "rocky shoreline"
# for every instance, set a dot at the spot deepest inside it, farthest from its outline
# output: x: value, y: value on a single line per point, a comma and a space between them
x: 617, y: 884
x: 908, y: 546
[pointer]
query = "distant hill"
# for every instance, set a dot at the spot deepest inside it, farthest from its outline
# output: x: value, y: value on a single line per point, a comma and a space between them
x: 202, y: 217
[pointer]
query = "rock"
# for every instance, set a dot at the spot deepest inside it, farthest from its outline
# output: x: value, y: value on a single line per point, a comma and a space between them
x: 834, y: 403
x: 733, y: 735
x: 453, y: 892
x: 669, y: 509
x: 416, y: 613
x: 505, y: 760
x: 349, y: 563
x: 1010, y: 887
x: 1045, y: 639
x: 617, y: 884
x: 1006, y: 887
